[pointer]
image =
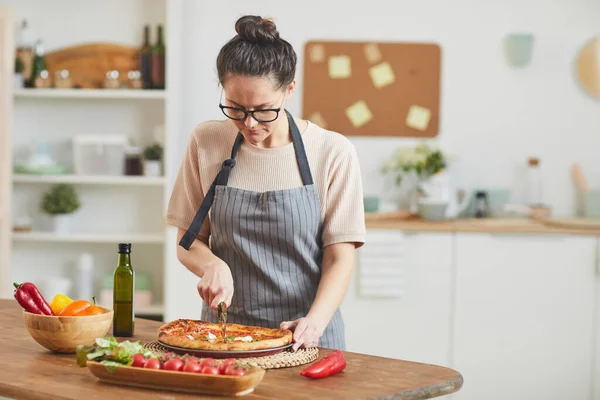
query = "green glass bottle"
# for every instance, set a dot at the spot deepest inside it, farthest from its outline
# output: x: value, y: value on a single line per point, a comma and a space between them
x: 39, y: 64
x: 158, y: 61
x: 146, y: 59
x: 123, y: 290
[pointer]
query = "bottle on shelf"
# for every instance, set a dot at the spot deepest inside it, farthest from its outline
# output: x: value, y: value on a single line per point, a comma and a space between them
x: 39, y: 74
x: 481, y: 205
x: 146, y: 59
x: 534, y: 183
x: 158, y: 61
x: 123, y: 293
x: 25, y: 49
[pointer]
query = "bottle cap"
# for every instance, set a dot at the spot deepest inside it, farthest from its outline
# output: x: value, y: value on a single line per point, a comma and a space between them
x: 124, y: 248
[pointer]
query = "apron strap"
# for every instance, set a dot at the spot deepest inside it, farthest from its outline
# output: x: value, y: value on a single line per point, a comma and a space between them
x: 221, y: 179
x: 300, y: 151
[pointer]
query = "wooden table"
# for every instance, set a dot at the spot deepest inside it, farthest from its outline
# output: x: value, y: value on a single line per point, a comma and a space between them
x: 31, y: 372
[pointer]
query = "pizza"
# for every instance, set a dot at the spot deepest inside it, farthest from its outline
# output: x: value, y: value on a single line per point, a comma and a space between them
x: 203, y: 335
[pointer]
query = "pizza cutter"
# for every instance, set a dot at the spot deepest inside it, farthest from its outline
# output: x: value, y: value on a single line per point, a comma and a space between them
x: 222, y: 310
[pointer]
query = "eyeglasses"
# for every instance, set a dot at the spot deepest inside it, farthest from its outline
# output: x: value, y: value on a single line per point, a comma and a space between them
x: 239, y: 114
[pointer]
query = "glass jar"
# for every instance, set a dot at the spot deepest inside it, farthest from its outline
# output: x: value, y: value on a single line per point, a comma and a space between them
x: 135, y: 80
x: 134, y: 164
x: 112, y: 80
x: 62, y: 79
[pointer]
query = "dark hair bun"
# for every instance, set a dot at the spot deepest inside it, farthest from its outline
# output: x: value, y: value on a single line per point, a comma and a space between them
x: 255, y: 29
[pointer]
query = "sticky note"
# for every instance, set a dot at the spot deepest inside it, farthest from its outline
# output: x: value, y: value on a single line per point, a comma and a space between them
x: 317, y: 119
x: 372, y: 53
x: 418, y: 117
x: 317, y: 53
x: 339, y: 67
x: 382, y: 75
x: 359, y: 114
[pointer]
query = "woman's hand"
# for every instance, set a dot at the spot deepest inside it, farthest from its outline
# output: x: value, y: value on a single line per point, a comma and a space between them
x: 216, y: 284
x: 306, y: 332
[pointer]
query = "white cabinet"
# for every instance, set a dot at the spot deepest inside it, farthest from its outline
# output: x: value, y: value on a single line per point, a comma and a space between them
x: 596, y: 368
x: 524, y: 315
x: 412, y: 306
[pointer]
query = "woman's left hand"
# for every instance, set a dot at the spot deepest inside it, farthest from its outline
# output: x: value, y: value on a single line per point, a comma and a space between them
x: 306, y: 332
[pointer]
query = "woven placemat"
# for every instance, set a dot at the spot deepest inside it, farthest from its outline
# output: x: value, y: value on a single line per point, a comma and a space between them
x: 283, y: 359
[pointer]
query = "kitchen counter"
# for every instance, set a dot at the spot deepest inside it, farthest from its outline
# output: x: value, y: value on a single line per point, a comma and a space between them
x: 488, y: 225
x: 32, y: 372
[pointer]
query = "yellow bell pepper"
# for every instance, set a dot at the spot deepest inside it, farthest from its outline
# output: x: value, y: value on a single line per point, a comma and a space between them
x: 59, y: 302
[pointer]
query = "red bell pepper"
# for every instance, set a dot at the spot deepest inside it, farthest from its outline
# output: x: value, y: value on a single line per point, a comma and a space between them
x: 333, y: 363
x: 30, y: 298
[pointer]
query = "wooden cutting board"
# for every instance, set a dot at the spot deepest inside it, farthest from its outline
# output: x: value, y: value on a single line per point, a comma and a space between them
x: 573, y: 223
x: 89, y: 63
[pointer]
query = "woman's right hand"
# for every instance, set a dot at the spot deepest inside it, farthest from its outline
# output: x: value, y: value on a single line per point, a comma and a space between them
x: 216, y: 284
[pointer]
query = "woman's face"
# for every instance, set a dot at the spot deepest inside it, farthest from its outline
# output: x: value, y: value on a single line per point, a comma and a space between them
x: 254, y: 93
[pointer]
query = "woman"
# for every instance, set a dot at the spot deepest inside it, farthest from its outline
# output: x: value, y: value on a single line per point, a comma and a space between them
x: 281, y: 247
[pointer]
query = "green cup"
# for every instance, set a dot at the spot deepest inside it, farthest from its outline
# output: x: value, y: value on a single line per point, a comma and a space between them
x: 371, y: 203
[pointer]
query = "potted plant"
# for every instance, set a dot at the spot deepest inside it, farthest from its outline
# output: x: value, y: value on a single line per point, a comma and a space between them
x: 153, y: 155
x: 19, y: 69
x: 60, y: 202
x: 419, y: 164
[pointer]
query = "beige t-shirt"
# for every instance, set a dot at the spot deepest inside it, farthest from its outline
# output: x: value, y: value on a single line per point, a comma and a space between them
x: 333, y: 163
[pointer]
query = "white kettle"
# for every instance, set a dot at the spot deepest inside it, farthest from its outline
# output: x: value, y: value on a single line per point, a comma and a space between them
x: 439, y: 190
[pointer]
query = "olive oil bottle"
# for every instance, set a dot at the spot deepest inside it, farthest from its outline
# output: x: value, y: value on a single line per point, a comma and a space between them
x: 123, y: 287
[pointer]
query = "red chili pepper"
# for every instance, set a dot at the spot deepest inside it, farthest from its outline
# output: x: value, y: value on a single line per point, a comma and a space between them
x: 30, y: 298
x: 330, y: 365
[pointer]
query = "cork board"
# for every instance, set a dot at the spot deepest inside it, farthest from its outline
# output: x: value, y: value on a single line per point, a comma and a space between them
x: 373, y: 89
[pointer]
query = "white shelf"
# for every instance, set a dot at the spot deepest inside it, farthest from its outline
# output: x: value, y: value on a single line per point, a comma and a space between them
x: 137, y: 238
x: 91, y: 93
x: 152, y: 310
x: 90, y: 179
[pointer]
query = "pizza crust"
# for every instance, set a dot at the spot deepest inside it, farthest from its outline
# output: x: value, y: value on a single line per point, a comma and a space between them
x: 177, y: 333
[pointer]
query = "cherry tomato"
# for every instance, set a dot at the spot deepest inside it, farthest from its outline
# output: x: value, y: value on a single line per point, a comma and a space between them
x: 138, y: 360
x: 211, y: 370
x: 235, y: 370
x: 168, y: 356
x: 174, y: 364
x: 239, y: 371
x: 187, y: 358
x: 224, y: 365
x: 192, y: 366
x: 153, y: 363
x: 207, y: 362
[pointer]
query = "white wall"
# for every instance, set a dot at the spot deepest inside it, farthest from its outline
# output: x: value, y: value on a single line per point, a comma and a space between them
x: 492, y: 116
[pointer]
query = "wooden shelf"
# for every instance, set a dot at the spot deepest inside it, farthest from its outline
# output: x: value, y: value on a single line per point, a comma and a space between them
x: 90, y: 179
x: 137, y: 238
x: 91, y: 94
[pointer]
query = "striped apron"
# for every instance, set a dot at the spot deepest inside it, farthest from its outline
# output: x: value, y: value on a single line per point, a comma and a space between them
x: 272, y: 243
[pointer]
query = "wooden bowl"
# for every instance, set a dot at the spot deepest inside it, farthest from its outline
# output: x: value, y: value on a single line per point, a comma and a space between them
x: 64, y: 334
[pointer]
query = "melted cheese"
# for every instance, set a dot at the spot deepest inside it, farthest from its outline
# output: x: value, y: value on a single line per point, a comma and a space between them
x: 244, y: 339
x: 211, y: 337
